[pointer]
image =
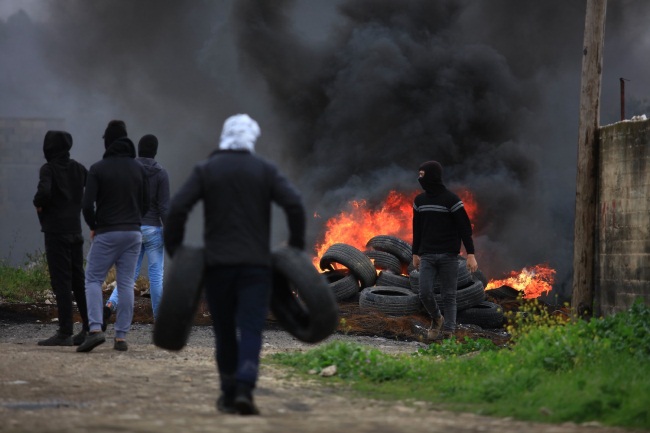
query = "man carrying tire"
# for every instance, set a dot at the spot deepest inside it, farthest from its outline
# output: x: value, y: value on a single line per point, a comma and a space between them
x: 440, y: 224
x: 237, y: 188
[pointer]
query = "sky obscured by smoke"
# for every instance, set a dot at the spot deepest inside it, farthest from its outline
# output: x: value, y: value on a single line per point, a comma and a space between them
x: 351, y: 96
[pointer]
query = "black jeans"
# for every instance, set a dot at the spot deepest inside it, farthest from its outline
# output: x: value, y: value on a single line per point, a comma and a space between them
x: 64, y: 252
x: 238, y: 298
x: 444, y: 268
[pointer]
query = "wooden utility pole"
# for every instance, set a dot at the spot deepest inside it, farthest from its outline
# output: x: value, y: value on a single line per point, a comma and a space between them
x: 584, y: 252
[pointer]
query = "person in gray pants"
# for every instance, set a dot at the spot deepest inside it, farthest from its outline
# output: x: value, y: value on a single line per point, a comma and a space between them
x: 114, y: 202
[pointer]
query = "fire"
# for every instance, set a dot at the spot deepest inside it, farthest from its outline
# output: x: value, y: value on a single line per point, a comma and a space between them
x: 361, y: 222
x: 393, y: 217
x: 533, y: 282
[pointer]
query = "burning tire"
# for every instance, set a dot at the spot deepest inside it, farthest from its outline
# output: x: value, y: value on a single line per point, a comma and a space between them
x: 353, y: 259
x: 301, y: 300
x: 394, y: 245
x: 343, y: 284
x: 385, y: 261
x: 464, y: 275
x: 180, y: 299
x: 390, y: 279
x: 485, y: 314
x: 393, y: 301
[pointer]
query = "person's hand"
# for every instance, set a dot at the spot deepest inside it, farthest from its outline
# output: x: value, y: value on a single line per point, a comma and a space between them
x: 92, y: 235
x: 472, y: 265
x: 416, y: 261
x: 39, y: 209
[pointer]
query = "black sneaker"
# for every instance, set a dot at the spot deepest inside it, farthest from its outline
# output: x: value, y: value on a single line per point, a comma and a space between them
x: 108, y: 310
x: 244, y: 400
x: 120, y: 345
x: 57, y: 339
x: 226, y: 405
x: 93, y: 339
x: 79, y: 338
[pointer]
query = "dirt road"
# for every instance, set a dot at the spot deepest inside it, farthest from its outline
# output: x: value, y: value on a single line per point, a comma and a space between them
x: 146, y: 389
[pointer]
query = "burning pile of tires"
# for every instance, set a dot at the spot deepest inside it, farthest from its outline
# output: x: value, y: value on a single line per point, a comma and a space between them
x: 384, y: 279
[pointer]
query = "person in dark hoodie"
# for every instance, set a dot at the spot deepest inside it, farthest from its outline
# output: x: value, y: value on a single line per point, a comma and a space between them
x: 114, y: 202
x: 58, y: 204
x: 237, y: 188
x: 440, y: 224
x: 152, y: 226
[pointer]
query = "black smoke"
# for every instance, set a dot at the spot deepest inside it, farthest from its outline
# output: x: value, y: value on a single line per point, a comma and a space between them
x: 352, y: 95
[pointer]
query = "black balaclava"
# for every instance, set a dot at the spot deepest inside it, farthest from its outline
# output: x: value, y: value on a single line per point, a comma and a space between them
x: 115, y: 129
x: 57, y: 145
x: 148, y: 146
x: 432, y: 179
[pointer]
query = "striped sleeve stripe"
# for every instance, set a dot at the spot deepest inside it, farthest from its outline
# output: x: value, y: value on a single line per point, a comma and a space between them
x: 457, y: 206
x: 431, y: 208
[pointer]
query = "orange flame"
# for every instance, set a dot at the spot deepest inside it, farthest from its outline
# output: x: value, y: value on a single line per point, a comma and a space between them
x: 359, y: 224
x: 533, y: 282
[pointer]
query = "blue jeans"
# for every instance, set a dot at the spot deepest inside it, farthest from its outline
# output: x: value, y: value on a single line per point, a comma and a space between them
x: 108, y: 249
x: 238, y: 298
x: 152, y: 245
x: 445, y: 268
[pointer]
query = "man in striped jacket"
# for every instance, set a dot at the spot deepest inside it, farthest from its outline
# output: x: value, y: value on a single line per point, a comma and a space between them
x: 440, y: 224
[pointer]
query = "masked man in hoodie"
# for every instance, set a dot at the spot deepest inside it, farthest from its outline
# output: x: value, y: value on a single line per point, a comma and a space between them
x: 115, y: 200
x: 237, y: 188
x: 440, y: 224
x: 152, y: 226
x: 58, y: 204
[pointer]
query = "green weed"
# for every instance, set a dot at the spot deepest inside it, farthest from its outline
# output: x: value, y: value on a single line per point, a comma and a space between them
x: 27, y: 283
x: 564, y: 371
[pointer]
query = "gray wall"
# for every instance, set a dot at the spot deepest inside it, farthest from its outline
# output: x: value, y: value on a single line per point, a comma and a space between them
x: 623, y: 244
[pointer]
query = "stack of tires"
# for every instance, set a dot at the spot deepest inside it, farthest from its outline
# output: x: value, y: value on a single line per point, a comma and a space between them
x: 385, y: 280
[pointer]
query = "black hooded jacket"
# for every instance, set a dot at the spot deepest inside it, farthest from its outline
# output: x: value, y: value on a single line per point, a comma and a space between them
x: 117, y: 192
x: 60, y: 186
x: 158, y: 192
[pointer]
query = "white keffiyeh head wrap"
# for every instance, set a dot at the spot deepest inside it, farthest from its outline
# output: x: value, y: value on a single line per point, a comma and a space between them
x: 239, y: 133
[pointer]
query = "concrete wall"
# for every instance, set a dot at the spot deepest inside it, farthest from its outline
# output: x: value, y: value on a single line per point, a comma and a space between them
x: 623, y: 244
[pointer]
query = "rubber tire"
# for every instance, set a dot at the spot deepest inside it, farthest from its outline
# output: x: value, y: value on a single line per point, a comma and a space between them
x: 485, y: 314
x: 384, y: 261
x: 392, y: 301
x: 464, y: 278
x: 301, y: 300
x: 467, y: 297
x: 386, y: 278
x: 480, y: 276
x: 180, y: 299
x: 342, y: 283
x: 353, y: 259
x: 394, y: 245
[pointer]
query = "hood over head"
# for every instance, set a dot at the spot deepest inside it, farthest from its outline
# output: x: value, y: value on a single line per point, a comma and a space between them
x: 432, y: 179
x: 115, y: 129
x: 121, y: 147
x: 148, y: 146
x: 239, y: 133
x: 57, y: 145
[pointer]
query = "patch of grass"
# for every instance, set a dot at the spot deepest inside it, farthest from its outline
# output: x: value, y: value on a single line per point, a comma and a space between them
x: 571, y: 371
x: 27, y: 283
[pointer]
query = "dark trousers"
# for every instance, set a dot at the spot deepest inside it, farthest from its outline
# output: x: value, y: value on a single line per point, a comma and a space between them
x: 443, y: 268
x: 238, y: 298
x: 65, y: 261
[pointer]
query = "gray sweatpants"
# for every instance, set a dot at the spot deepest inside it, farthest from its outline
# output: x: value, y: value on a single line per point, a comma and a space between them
x: 120, y: 248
